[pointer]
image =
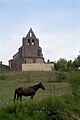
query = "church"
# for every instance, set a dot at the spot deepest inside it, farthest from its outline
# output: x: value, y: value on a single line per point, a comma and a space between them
x: 29, y: 56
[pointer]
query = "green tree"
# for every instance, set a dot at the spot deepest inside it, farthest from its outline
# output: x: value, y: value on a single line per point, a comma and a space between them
x: 70, y: 65
x: 61, y: 65
x: 74, y: 81
x: 76, y: 62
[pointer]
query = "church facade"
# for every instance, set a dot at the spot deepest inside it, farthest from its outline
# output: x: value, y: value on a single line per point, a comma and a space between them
x: 30, y: 52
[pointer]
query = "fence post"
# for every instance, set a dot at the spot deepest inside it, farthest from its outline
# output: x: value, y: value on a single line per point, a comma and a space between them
x: 1, y: 66
x: 54, y: 90
x: 50, y: 89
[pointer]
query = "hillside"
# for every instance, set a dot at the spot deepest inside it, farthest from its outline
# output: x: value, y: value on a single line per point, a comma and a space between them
x: 54, y: 82
x: 56, y: 97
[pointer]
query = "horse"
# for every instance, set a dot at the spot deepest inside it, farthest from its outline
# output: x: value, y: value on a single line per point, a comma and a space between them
x: 21, y: 91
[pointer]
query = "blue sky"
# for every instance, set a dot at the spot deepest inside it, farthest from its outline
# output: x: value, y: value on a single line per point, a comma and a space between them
x: 55, y: 22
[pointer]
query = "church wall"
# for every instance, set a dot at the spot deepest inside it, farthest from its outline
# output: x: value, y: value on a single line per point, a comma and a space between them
x: 13, y: 64
x: 30, y: 49
x: 37, y: 67
x: 33, y: 60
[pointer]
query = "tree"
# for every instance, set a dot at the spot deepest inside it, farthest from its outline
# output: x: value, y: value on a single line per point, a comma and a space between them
x: 61, y: 65
x: 76, y: 62
x: 74, y: 81
x: 70, y: 65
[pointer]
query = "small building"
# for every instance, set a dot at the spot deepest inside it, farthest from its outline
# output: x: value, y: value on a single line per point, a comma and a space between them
x: 3, y: 67
x: 30, y: 52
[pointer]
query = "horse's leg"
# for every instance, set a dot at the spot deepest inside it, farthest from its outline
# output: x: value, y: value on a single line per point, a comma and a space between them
x: 31, y: 96
x: 17, y: 97
x: 21, y: 98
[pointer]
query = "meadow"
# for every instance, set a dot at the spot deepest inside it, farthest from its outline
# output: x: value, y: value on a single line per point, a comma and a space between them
x: 53, y: 83
x: 55, y: 103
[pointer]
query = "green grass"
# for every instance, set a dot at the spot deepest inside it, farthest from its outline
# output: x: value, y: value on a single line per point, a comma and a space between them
x: 9, y: 81
x: 57, y: 96
x: 41, y: 109
x: 33, y: 76
x: 7, y: 90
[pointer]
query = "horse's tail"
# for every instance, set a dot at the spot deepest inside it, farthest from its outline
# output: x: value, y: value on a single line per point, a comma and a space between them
x: 15, y: 95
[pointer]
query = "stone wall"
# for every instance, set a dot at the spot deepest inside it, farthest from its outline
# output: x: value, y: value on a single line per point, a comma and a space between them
x: 33, y: 60
x: 4, y: 67
x: 38, y: 67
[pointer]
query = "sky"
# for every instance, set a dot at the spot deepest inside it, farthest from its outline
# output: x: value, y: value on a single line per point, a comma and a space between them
x: 55, y: 22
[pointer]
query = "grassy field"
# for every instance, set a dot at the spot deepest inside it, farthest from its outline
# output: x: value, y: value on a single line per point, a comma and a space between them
x: 55, y: 84
x: 55, y: 103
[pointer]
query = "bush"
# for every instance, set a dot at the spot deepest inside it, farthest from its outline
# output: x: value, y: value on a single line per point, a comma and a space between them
x: 61, y: 76
x: 46, y: 109
x: 74, y: 82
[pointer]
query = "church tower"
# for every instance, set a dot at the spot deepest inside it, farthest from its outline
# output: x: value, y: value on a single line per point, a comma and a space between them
x: 32, y: 52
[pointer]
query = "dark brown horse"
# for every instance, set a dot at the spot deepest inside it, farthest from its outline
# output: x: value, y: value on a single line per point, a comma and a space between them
x: 21, y: 91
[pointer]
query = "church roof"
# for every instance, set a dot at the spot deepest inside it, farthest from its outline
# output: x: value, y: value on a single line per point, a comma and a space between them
x: 31, y: 34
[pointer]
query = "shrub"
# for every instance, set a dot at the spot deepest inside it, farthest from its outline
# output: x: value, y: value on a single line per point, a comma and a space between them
x: 61, y: 76
x: 46, y: 109
x: 74, y: 82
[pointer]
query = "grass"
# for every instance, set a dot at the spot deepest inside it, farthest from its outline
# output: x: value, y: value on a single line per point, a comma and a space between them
x: 56, y: 97
x: 7, y: 90
x: 9, y: 81
x: 32, y: 76
x: 41, y: 109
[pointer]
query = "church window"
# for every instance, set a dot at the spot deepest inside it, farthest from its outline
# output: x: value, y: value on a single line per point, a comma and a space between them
x: 28, y: 41
x: 30, y: 34
x: 25, y: 62
x: 33, y: 43
x: 34, y: 60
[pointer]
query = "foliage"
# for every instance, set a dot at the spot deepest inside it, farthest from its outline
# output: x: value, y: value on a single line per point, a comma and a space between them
x: 73, y: 104
x: 61, y: 65
x: 57, y: 109
x: 77, y: 62
x: 74, y: 81
x: 70, y: 66
x: 45, y: 109
x: 64, y: 65
x: 61, y: 76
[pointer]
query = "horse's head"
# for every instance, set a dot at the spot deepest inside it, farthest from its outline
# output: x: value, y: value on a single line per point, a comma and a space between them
x: 41, y: 86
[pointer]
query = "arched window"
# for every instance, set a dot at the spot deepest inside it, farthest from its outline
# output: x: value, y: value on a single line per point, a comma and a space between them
x: 25, y: 62
x: 33, y: 43
x: 28, y: 41
x: 30, y: 34
x: 34, y: 60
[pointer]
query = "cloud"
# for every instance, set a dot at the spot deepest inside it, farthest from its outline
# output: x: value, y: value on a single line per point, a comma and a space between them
x: 60, y: 45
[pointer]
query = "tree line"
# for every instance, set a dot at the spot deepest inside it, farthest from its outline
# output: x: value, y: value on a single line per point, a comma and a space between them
x: 63, y: 65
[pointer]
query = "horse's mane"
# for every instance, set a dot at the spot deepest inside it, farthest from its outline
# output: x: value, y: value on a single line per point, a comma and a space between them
x: 34, y: 85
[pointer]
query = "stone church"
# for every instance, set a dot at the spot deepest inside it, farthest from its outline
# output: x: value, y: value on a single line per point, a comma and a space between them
x: 30, y: 52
